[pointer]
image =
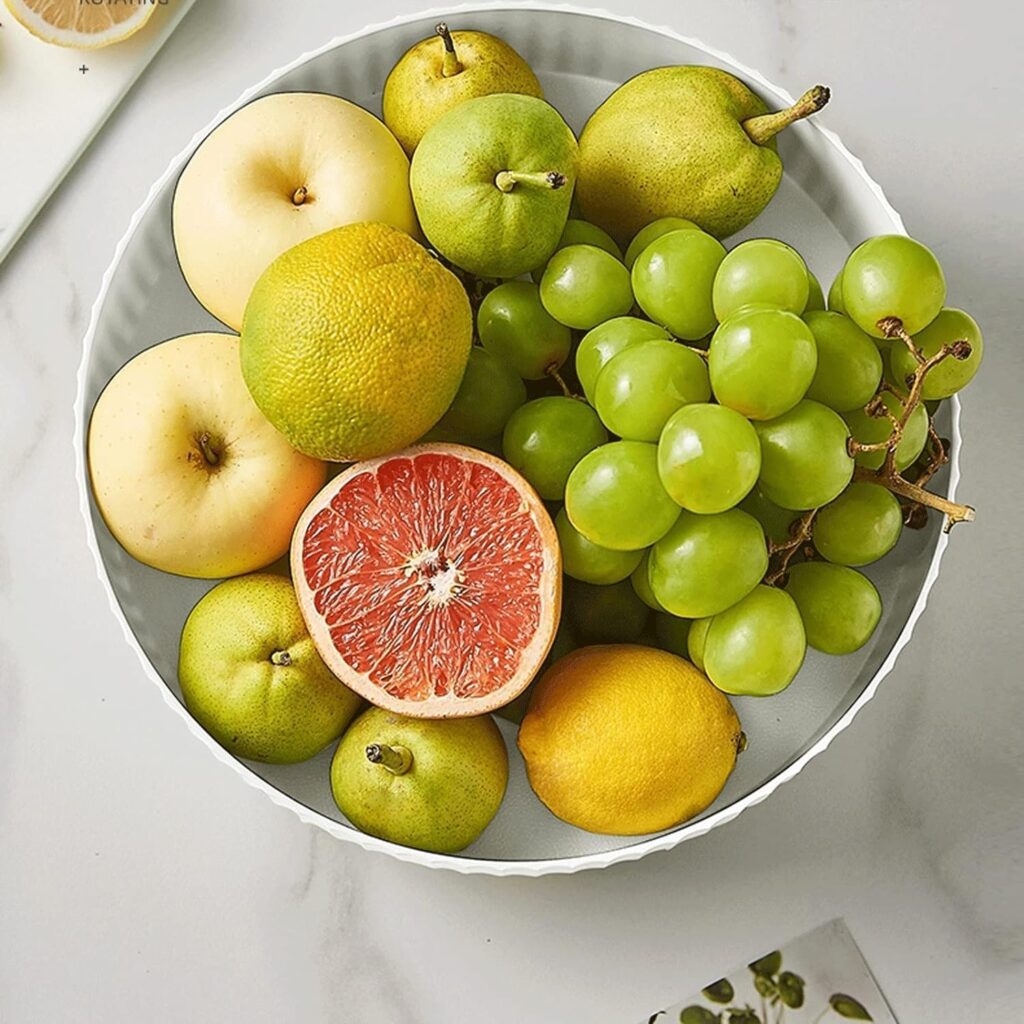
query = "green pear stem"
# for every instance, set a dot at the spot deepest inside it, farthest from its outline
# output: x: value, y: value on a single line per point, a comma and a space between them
x: 396, y: 759
x: 210, y: 453
x: 765, y: 126
x: 507, y: 180
x: 450, y: 65
x: 280, y: 658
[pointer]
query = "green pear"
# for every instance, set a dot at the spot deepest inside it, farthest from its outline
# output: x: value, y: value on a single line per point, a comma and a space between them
x: 430, y: 784
x: 492, y: 181
x: 251, y: 676
x: 684, y: 141
x: 438, y: 74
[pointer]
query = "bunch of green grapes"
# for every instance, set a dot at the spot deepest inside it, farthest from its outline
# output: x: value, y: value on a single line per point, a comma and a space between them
x: 702, y: 481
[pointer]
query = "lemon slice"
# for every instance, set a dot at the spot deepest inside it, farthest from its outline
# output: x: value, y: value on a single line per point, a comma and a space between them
x: 82, y: 24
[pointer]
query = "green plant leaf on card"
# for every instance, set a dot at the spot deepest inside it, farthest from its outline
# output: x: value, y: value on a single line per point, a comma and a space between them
x: 764, y: 985
x: 847, y: 1006
x: 698, y: 1015
x: 720, y: 991
x: 768, y: 965
x: 791, y: 989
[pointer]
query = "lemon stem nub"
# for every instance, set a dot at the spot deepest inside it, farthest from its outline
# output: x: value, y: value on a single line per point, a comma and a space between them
x: 765, y: 126
x: 300, y: 195
x: 450, y: 65
x: 280, y: 658
x: 205, y: 443
x: 396, y: 759
x: 507, y: 180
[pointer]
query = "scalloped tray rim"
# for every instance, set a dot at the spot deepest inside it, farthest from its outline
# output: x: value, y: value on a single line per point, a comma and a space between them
x: 469, y: 865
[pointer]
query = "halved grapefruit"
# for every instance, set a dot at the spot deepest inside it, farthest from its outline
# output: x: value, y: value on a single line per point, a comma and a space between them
x: 430, y: 580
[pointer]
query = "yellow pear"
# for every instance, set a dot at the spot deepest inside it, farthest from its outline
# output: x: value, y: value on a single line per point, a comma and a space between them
x: 685, y: 141
x: 438, y: 74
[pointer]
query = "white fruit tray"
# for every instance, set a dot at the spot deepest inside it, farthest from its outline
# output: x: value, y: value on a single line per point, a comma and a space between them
x: 826, y: 204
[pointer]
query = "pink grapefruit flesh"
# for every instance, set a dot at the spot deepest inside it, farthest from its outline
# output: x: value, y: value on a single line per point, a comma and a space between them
x: 430, y: 580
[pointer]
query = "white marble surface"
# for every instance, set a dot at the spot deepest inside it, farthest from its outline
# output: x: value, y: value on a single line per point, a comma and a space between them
x: 138, y: 881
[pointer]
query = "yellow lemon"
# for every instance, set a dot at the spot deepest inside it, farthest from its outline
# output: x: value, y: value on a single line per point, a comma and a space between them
x: 354, y: 342
x: 625, y: 740
x: 79, y: 24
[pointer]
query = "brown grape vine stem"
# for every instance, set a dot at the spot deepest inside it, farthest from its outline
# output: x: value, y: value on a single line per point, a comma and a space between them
x: 552, y: 372
x: 887, y: 474
x: 780, y: 553
x: 918, y: 499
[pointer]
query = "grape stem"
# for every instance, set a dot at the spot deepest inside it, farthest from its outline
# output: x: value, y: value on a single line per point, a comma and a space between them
x: 939, y: 456
x: 552, y: 372
x: 799, y: 535
x: 887, y: 474
x: 450, y: 63
x: 955, y: 512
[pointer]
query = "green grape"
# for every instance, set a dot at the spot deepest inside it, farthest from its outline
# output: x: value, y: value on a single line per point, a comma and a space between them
x: 835, y: 295
x: 545, y: 438
x: 606, y: 340
x: 695, y: 640
x: 612, y: 614
x: 581, y: 232
x: 757, y: 646
x: 876, y: 429
x: 859, y: 527
x: 839, y: 606
x: 775, y: 521
x: 704, y: 564
x: 614, y: 497
x: 762, y: 271
x: 673, y: 633
x: 489, y: 393
x: 761, y: 362
x: 949, y: 376
x: 655, y: 230
x: 709, y: 457
x: 815, y: 296
x: 804, y: 461
x: 641, y: 580
x: 583, y: 286
x: 641, y: 386
x: 515, y: 327
x: 849, y: 365
x: 583, y: 560
x: 892, y: 276
x: 673, y: 278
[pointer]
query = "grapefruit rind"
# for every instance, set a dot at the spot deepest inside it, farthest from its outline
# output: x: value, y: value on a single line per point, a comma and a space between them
x: 362, y: 598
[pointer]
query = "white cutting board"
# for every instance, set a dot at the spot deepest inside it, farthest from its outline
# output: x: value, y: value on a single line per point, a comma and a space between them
x: 50, y: 110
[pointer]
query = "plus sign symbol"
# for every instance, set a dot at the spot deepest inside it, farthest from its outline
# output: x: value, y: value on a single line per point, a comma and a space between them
x: 83, y: 69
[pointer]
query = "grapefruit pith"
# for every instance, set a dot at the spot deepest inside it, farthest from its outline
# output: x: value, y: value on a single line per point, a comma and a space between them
x: 430, y: 580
